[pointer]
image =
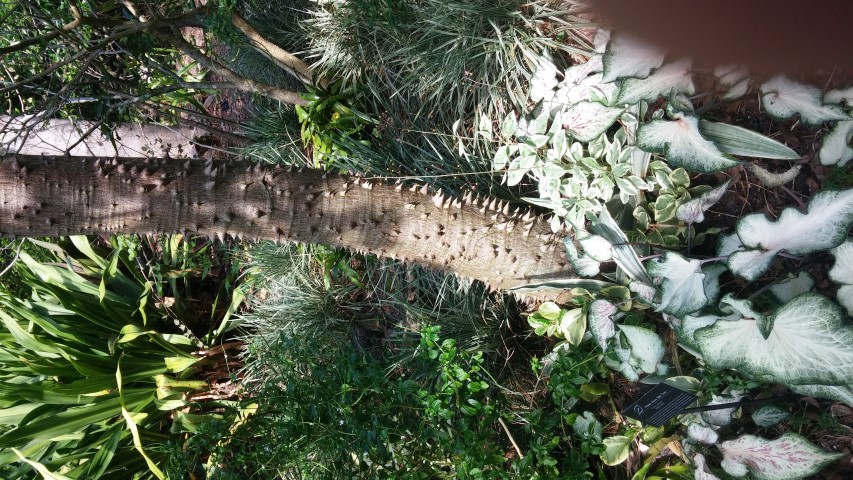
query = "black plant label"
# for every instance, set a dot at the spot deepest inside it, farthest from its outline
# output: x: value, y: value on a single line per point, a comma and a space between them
x: 659, y: 405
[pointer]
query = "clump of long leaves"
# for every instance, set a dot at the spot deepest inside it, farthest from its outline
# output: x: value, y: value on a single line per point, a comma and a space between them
x: 444, y: 59
x: 92, y: 370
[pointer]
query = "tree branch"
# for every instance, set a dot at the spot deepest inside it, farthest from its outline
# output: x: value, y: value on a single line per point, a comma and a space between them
x: 240, y: 82
x: 284, y: 59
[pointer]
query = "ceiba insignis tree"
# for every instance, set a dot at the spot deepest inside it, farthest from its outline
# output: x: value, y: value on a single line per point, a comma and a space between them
x: 472, y: 236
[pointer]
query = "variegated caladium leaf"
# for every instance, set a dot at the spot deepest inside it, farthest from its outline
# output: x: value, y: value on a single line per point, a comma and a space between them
x: 842, y: 274
x: 825, y: 226
x: 736, y: 140
x: 841, y: 393
x: 646, y: 347
x: 582, y: 264
x: 702, y: 433
x: 836, y: 149
x: 736, y: 79
x: 628, y: 57
x: 806, y: 342
x: 683, y: 145
x: 667, y: 80
x: 728, y: 244
x: 702, y: 472
x: 724, y: 416
x: 586, y: 121
x: 789, y: 288
x: 693, y: 211
x: 789, y: 457
x: 769, y: 415
x: 600, y: 320
x: 840, y: 95
x: 782, y: 98
x: 681, y: 283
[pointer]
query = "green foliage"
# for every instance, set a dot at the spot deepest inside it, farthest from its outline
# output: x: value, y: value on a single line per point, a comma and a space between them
x: 327, y: 121
x: 90, y: 366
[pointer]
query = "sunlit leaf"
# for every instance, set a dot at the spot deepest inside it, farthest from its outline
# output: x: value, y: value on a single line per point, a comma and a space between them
x: 585, y: 121
x: 825, y: 226
x: 702, y: 434
x: 808, y: 342
x: 628, y: 57
x: 736, y: 140
x: 646, y: 347
x: 789, y: 457
x: 669, y: 79
x: 683, y: 145
x: 681, y: 283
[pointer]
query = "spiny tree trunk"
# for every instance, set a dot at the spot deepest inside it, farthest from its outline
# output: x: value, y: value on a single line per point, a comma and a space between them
x: 473, y: 237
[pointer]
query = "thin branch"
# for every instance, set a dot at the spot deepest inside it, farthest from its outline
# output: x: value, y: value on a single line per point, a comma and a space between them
x: 240, y: 82
x: 28, y: 42
x: 284, y: 59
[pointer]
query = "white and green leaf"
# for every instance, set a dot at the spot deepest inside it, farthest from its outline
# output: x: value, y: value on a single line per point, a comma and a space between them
x: 789, y: 457
x: 702, y: 433
x: 723, y: 416
x: 701, y: 472
x: 671, y: 78
x: 693, y: 211
x: 842, y: 274
x: 825, y: 226
x: 735, y: 79
x: 581, y: 264
x: 629, y: 57
x: 836, y: 149
x: 646, y: 347
x: 683, y: 145
x: 807, y: 342
x: 736, y: 140
x: 586, y: 121
x: 600, y: 320
x: 769, y: 416
x: 681, y: 283
x: 840, y: 95
x: 572, y: 325
x: 783, y: 98
x: 841, y: 393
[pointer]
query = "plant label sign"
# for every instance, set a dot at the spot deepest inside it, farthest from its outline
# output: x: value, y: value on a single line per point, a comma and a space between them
x: 659, y: 405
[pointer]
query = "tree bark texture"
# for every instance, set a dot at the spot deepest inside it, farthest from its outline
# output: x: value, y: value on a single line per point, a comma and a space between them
x: 472, y: 236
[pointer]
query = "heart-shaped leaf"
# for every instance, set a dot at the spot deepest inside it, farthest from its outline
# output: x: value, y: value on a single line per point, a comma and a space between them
x: 681, y: 282
x: 586, y: 121
x: 769, y: 415
x: 573, y: 325
x: 808, y: 342
x: 789, y: 457
x: 736, y: 140
x: 646, y: 347
x: 838, y: 96
x: 825, y: 226
x: 683, y: 145
x: 842, y: 274
x: 836, y: 149
x: 702, y: 434
x: 783, y: 98
x: 628, y: 57
x: 669, y: 79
